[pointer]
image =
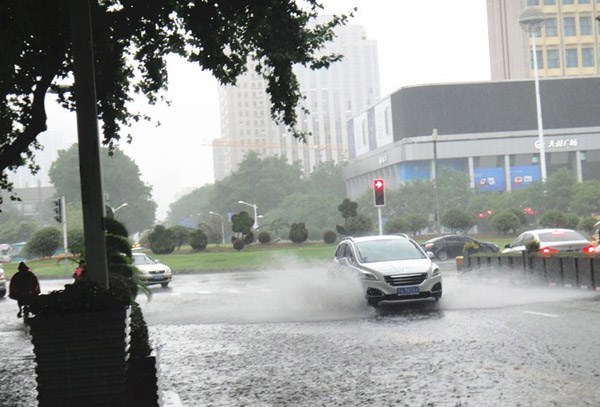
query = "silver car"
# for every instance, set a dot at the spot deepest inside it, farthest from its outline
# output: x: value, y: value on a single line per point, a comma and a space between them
x: 392, y: 268
x: 551, y: 241
x: 152, y: 272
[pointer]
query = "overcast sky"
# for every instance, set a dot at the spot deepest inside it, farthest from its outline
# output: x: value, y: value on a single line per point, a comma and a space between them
x: 419, y: 42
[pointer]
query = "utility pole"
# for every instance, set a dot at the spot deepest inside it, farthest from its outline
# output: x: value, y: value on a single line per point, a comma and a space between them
x: 92, y: 196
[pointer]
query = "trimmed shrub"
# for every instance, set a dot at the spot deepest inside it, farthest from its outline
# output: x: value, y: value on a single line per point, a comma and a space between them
x: 161, y: 240
x: 44, y: 242
x: 329, y: 236
x: 298, y: 233
x: 264, y: 237
x: 198, y: 239
x: 249, y: 238
x: 238, y: 244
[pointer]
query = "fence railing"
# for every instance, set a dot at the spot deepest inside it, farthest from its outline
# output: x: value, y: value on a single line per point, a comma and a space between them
x: 580, y: 272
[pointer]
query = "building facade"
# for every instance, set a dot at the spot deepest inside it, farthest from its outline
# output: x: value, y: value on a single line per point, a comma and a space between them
x: 487, y: 129
x: 332, y: 96
x: 567, y: 45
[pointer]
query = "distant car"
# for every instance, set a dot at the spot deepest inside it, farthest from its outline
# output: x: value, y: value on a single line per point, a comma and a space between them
x: 551, y: 241
x: 5, y: 253
x: 450, y: 246
x: 392, y: 268
x: 2, y: 283
x: 152, y: 272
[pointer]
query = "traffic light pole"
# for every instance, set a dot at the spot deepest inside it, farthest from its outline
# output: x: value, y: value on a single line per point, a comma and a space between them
x: 380, y: 222
x: 63, y: 217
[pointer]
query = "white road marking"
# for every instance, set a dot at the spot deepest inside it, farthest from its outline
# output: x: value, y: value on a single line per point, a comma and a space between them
x: 541, y: 314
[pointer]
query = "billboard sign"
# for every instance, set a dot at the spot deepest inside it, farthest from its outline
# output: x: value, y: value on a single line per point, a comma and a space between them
x: 489, y: 179
x: 523, y: 176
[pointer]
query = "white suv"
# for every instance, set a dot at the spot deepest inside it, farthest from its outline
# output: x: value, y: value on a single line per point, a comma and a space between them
x: 392, y: 268
x: 2, y: 283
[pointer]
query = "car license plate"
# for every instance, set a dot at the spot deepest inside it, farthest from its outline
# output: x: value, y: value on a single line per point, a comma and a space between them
x: 408, y: 290
x: 158, y: 277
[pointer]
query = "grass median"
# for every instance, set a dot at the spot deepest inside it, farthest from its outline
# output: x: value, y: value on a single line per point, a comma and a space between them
x: 214, y: 258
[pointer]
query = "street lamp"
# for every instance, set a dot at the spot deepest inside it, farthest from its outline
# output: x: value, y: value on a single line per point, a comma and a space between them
x: 434, y: 135
x: 110, y: 211
x: 531, y: 20
x: 119, y: 207
x: 255, y: 216
x: 222, y: 225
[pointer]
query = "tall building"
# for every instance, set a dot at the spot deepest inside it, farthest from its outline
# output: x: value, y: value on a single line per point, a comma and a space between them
x: 332, y: 97
x: 566, y: 46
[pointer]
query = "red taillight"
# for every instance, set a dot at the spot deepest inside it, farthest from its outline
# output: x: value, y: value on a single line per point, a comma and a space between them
x: 429, y: 245
x: 548, y: 250
x: 589, y: 249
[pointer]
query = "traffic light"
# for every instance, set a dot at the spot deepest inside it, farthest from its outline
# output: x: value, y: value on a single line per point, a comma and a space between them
x: 379, y: 190
x: 58, y: 210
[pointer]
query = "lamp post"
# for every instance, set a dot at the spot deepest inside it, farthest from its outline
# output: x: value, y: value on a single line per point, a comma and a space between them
x: 255, y: 215
x: 119, y: 207
x: 532, y: 20
x: 434, y: 135
x: 222, y: 225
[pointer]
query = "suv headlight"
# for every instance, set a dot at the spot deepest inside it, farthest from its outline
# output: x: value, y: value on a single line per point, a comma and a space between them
x: 435, y: 272
x: 369, y: 276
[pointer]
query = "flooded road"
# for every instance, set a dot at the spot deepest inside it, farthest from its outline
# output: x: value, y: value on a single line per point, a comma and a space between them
x: 302, y: 337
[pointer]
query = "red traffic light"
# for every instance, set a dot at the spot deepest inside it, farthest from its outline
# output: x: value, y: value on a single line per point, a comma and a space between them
x: 379, y: 189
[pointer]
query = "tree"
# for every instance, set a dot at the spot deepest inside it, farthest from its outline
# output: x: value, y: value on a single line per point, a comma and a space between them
x: 161, y: 240
x: 44, y: 242
x: 396, y: 225
x: 416, y: 223
x: 181, y: 235
x: 457, y: 219
x: 553, y: 218
x: 560, y: 189
x: 505, y: 221
x: 15, y: 227
x: 587, y: 198
x: 316, y: 210
x: 571, y: 221
x: 75, y: 240
x: 359, y: 225
x: 326, y: 179
x: 122, y: 184
x: 586, y: 224
x: 131, y: 42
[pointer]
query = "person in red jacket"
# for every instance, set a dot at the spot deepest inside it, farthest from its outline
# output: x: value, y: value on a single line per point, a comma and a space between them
x: 79, y: 272
x: 24, y: 288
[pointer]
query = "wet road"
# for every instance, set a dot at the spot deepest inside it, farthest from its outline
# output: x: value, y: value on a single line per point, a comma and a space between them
x: 304, y: 338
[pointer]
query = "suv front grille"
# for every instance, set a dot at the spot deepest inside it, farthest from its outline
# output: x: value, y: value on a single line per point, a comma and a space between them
x: 406, y: 279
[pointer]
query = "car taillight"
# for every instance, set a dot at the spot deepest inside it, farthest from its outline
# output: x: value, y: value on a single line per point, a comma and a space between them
x: 548, y: 250
x: 589, y: 249
x: 428, y: 245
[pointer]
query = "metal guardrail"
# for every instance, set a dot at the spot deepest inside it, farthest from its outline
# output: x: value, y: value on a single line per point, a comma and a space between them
x: 580, y: 272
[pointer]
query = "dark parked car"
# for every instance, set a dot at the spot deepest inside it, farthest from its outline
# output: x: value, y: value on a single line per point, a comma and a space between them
x: 445, y: 247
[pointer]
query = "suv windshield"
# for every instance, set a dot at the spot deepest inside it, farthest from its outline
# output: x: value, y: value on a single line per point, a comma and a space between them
x: 388, y: 250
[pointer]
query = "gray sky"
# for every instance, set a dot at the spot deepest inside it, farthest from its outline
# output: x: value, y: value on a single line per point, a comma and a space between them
x: 419, y: 42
